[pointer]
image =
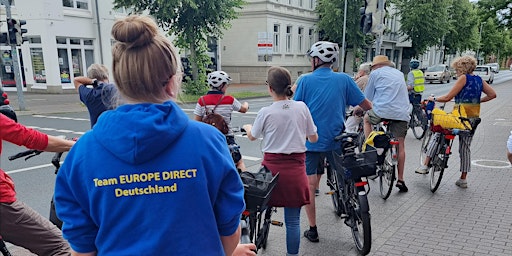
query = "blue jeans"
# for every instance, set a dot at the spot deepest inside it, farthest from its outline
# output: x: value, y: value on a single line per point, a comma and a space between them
x: 292, y: 222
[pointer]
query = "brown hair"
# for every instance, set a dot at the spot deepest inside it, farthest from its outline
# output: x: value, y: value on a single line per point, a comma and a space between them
x: 143, y: 60
x: 279, y: 79
x: 465, y: 64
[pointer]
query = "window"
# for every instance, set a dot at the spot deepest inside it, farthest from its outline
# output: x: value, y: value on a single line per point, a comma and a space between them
x: 300, y: 40
x: 288, y: 38
x: 312, y: 4
x: 276, y: 38
x: 74, y: 55
x: 311, y: 35
x: 36, y: 54
x: 78, y: 4
x: 301, y: 3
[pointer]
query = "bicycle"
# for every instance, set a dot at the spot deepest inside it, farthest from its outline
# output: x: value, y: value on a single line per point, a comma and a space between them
x: 349, y: 189
x: 418, y: 122
x: 442, y: 146
x: 257, y: 217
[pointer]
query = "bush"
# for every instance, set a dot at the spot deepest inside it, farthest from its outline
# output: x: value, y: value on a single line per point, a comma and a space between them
x: 194, y: 87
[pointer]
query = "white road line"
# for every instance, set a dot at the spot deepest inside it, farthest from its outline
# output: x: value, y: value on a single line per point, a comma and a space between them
x: 55, y: 130
x: 251, y: 158
x: 29, y: 168
x: 62, y: 118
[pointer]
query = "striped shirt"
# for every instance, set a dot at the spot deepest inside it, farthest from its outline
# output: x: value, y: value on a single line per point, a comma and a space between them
x: 225, y: 107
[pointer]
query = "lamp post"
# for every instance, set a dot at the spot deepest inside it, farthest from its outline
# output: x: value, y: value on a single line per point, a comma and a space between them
x: 342, y: 59
x: 479, y: 43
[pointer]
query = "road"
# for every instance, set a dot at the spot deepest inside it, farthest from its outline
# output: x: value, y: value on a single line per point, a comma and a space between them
x: 453, y: 221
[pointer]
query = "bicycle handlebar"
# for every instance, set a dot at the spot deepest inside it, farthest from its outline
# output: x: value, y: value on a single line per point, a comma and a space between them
x: 29, y: 153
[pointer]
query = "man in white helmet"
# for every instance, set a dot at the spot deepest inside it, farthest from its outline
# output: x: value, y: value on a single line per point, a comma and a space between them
x: 326, y: 93
x: 223, y: 105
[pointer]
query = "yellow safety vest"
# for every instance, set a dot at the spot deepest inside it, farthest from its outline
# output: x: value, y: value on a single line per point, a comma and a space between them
x: 419, y: 80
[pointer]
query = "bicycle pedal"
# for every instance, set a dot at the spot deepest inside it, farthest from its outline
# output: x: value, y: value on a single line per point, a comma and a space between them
x: 276, y: 223
x: 329, y: 193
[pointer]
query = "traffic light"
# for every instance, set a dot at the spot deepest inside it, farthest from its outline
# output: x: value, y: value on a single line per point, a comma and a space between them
x: 371, y: 15
x: 20, y: 31
x: 11, y: 31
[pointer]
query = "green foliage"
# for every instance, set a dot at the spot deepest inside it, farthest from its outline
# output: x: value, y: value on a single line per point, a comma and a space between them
x: 496, y: 9
x: 424, y: 22
x: 195, y: 87
x: 192, y: 21
x: 462, y: 34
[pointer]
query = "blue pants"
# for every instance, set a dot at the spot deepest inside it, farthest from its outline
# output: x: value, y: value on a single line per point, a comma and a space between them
x: 292, y: 222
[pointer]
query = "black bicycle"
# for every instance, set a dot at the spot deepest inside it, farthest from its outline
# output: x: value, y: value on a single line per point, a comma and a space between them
x: 418, y: 122
x: 349, y: 188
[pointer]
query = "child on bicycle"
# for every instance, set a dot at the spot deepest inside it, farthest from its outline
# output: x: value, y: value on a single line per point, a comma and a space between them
x: 224, y: 105
x: 284, y: 127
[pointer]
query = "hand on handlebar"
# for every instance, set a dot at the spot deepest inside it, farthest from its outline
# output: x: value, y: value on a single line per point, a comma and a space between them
x: 245, y: 250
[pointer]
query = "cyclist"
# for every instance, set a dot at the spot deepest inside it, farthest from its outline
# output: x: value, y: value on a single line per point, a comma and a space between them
x: 415, y: 82
x: 467, y: 92
x: 219, y: 83
x: 362, y: 75
x: 387, y: 90
x: 99, y: 98
x: 20, y: 224
x: 284, y: 126
x: 147, y: 179
x: 326, y: 93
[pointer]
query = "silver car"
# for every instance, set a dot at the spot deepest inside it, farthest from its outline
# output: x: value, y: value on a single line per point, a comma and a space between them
x: 494, y: 66
x: 438, y: 73
x: 485, y: 72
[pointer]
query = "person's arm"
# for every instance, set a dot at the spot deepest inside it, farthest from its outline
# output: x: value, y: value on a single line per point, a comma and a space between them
x: 365, y: 105
x: 457, y: 87
x: 248, y: 128
x: 73, y: 253
x: 56, y: 144
x: 82, y: 80
x: 313, y: 138
x: 244, y: 107
x: 230, y: 242
x: 489, y: 92
x: 410, y: 81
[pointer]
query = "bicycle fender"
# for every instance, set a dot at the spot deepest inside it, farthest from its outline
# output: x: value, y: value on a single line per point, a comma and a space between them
x: 363, y: 201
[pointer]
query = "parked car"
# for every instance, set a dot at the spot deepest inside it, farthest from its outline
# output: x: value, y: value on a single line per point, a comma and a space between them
x: 494, y: 66
x: 485, y: 72
x: 438, y: 73
x: 453, y: 73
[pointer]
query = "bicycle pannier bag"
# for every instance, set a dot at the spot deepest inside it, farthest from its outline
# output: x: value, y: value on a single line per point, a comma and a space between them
x: 215, y: 119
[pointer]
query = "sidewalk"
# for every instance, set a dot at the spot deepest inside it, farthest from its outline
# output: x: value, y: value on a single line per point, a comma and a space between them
x: 37, y: 103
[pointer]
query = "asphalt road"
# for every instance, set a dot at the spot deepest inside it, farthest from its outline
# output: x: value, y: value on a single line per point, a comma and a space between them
x: 453, y: 221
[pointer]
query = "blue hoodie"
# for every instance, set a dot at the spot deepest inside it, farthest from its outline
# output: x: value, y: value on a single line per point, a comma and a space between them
x: 149, y: 181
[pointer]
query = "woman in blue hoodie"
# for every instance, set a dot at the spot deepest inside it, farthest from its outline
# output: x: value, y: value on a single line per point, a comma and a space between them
x: 147, y: 180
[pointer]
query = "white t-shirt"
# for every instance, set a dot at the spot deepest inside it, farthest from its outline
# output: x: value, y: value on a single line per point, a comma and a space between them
x: 284, y: 126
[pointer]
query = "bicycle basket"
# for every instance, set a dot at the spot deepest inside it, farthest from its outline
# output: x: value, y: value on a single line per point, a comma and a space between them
x: 258, y: 188
x: 355, y: 166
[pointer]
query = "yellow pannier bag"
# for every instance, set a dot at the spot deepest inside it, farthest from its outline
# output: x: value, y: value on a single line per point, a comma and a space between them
x: 450, y: 120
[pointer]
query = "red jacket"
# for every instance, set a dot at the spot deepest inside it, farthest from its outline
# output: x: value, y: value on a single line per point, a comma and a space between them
x: 22, y: 136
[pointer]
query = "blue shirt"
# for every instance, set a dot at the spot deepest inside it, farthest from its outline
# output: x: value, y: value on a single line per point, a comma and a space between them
x: 387, y: 90
x: 327, y: 93
x: 98, y: 99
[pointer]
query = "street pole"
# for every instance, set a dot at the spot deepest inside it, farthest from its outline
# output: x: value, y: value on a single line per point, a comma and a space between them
x: 15, y: 61
x: 381, y: 28
x: 342, y: 59
x: 479, y: 43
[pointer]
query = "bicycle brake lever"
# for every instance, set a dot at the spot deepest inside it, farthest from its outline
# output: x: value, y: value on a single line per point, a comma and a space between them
x: 34, y: 154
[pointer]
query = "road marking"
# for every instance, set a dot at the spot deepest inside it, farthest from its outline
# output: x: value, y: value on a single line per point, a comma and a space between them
x: 55, y: 130
x: 251, y: 158
x: 491, y: 163
x: 30, y: 168
x: 62, y: 118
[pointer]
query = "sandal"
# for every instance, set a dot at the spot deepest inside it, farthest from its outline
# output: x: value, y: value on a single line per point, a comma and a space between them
x: 400, y: 184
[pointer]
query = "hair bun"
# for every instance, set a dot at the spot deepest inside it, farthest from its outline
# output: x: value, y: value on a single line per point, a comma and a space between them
x: 135, y: 31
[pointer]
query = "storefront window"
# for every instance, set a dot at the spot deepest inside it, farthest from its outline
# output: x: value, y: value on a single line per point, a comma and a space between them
x: 89, y: 58
x: 38, y: 65
x: 76, y: 59
x: 64, y: 66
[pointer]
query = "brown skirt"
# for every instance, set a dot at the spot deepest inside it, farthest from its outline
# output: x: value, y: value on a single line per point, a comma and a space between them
x: 292, y: 189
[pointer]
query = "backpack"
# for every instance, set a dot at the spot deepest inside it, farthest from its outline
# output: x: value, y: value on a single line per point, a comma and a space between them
x: 215, y: 119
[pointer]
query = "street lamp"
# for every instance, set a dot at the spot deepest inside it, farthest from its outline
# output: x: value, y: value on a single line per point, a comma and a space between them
x: 479, y: 43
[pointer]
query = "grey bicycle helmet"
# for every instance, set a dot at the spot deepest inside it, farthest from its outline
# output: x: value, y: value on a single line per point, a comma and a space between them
x: 324, y: 50
x: 218, y: 78
x: 414, y: 64
x: 9, y: 112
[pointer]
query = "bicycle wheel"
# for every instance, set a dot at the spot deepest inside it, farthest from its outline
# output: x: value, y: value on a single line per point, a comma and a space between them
x: 418, y: 122
x: 424, y: 146
x: 386, y: 174
x: 438, y: 165
x: 333, y: 181
x: 360, y: 223
x: 265, y: 228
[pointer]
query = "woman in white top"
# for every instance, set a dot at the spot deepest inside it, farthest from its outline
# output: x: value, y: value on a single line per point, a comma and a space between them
x: 284, y: 127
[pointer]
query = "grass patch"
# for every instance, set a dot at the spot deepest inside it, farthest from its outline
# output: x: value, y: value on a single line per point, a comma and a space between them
x: 187, y: 98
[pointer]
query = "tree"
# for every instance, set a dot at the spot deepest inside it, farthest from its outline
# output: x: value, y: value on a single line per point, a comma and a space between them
x: 501, y: 9
x: 331, y: 23
x: 425, y: 23
x: 463, y: 29
x: 192, y: 21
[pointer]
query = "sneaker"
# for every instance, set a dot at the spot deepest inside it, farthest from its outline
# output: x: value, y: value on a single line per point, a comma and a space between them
x: 462, y: 183
x: 312, y: 235
x: 423, y: 169
x: 317, y: 192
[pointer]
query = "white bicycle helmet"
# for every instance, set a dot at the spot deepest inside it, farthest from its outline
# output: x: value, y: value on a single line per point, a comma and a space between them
x: 326, y: 51
x: 218, y: 78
